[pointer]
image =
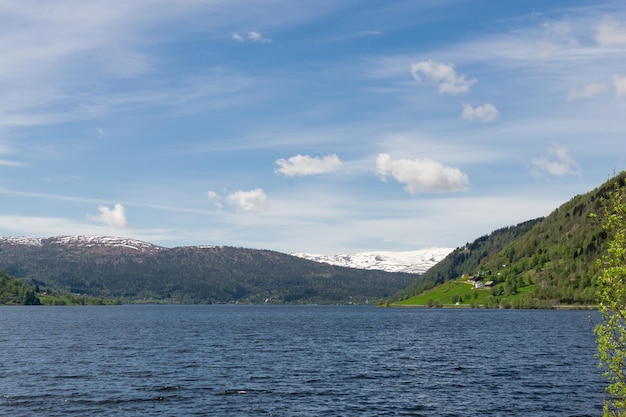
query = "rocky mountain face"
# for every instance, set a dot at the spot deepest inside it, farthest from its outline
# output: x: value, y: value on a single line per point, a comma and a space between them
x: 135, y: 270
x: 411, y: 262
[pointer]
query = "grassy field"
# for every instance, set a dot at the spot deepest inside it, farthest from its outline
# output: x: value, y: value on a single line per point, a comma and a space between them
x: 460, y: 293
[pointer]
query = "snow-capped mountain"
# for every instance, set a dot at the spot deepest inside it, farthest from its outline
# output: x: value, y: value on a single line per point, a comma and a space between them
x: 83, y: 241
x: 132, y: 270
x: 413, y: 262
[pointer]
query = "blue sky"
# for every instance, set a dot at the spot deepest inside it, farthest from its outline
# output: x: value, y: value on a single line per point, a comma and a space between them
x: 329, y: 126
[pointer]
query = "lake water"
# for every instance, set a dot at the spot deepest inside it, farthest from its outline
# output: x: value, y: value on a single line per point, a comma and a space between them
x: 297, y: 361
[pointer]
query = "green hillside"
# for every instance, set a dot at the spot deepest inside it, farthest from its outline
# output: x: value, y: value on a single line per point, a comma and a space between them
x: 14, y: 291
x: 551, y: 260
x: 461, y: 293
x: 467, y: 259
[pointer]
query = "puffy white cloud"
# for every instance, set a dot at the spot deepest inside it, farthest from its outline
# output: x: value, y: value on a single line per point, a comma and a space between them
x: 450, y: 82
x: 620, y: 85
x: 253, y: 200
x: 422, y: 175
x: 588, y: 91
x: 301, y: 165
x: 610, y: 32
x: 487, y: 112
x: 560, y: 164
x: 115, y: 217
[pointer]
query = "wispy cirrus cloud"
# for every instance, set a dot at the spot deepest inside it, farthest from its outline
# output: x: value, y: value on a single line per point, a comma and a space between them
x: 8, y: 163
x: 587, y: 91
x: 302, y: 165
x: 422, y: 175
x: 559, y: 163
x: 610, y: 32
x: 252, y: 36
x: 619, y: 82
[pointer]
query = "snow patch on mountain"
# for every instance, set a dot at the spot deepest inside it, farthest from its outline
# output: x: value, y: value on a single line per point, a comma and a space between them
x: 21, y: 240
x: 412, y: 262
x: 84, y: 241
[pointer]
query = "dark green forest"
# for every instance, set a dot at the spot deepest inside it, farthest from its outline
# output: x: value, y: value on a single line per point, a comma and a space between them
x: 14, y: 291
x: 195, y: 275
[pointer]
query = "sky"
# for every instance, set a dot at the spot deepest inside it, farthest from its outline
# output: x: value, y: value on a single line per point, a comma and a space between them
x: 333, y: 126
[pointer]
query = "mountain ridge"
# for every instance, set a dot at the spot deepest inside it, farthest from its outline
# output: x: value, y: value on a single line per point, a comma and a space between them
x: 81, y: 240
x: 134, y: 270
x: 410, y: 262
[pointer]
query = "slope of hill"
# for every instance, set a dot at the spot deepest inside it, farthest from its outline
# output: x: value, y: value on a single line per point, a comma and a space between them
x: 467, y: 258
x: 556, y: 254
x: 16, y: 292
x: 135, y: 270
x: 412, y: 262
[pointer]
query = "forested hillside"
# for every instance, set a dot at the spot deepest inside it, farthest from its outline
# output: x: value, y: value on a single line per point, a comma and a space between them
x: 555, y: 256
x: 16, y: 292
x: 467, y: 258
x: 189, y: 274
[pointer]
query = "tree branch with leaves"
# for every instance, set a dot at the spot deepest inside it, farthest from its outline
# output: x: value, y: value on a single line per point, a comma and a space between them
x: 611, y: 294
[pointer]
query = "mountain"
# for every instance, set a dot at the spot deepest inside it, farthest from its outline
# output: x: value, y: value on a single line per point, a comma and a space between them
x: 133, y: 270
x: 554, y: 258
x: 411, y: 262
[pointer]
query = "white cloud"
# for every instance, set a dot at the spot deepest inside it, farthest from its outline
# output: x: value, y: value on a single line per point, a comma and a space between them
x: 236, y: 36
x: 215, y: 198
x: 560, y: 164
x: 450, y: 82
x: 115, y: 217
x: 258, y: 37
x: 588, y: 91
x: 422, y: 175
x: 252, y: 36
x: 254, y: 200
x: 486, y: 112
x: 620, y: 85
x: 610, y: 32
x: 7, y: 163
x: 301, y: 165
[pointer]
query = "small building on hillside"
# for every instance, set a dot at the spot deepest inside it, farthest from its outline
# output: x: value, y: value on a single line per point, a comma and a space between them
x: 476, y: 281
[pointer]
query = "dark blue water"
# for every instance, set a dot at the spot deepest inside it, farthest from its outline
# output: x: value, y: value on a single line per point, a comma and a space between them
x: 296, y: 361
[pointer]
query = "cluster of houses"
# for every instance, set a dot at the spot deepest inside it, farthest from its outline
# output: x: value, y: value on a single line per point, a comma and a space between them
x: 478, y: 283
